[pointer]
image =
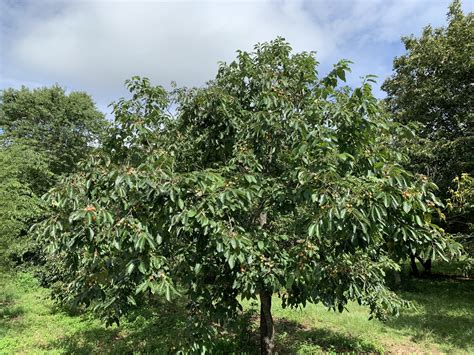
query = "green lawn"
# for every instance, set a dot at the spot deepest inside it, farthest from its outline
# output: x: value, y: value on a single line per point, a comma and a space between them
x: 441, y: 322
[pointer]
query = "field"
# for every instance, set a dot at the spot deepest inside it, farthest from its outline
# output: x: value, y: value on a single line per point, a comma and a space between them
x: 441, y: 322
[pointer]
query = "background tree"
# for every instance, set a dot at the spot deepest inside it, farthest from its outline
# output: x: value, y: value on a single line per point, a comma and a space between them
x: 43, y: 134
x: 432, y: 87
x: 269, y: 180
x: 63, y: 127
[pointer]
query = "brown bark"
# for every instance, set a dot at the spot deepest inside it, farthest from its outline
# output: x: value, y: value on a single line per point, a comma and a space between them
x: 267, y: 331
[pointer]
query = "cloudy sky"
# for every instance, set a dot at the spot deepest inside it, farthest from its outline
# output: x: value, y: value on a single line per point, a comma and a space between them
x: 95, y: 45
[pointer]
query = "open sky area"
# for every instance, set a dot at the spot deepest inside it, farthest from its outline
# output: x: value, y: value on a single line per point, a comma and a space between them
x: 95, y: 45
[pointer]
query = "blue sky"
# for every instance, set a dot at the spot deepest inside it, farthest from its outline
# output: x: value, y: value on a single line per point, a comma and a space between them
x: 95, y: 45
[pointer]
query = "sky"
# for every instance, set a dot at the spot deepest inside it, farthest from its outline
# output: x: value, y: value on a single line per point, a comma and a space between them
x: 94, y: 46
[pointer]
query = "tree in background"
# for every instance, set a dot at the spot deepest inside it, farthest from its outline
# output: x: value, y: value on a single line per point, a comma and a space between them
x: 43, y: 134
x: 63, y: 127
x: 268, y: 181
x: 432, y: 87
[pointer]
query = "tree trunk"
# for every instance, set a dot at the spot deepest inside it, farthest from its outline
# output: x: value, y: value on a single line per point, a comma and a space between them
x: 426, y: 265
x: 267, y: 332
x: 414, y: 269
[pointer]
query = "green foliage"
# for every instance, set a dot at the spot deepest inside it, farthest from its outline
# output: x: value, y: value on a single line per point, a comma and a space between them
x: 62, y: 126
x: 43, y: 134
x: 462, y: 196
x: 432, y: 86
x: 268, y: 179
x: 23, y: 174
x: 461, y: 216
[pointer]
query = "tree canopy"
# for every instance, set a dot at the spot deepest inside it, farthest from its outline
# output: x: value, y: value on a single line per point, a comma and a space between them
x: 268, y: 180
x: 432, y: 86
x: 64, y: 127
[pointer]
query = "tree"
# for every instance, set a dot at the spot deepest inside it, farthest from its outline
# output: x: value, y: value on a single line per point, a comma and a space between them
x: 63, y: 127
x: 268, y: 180
x: 43, y: 134
x: 431, y: 87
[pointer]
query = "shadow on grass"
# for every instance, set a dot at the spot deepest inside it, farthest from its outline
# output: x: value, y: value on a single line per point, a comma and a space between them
x: 156, y: 330
x: 148, y: 331
x: 293, y: 338
x: 444, y: 311
x: 162, y: 331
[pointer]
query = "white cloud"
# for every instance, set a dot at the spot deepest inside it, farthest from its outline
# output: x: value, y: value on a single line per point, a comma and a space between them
x: 96, y: 45
x: 102, y: 43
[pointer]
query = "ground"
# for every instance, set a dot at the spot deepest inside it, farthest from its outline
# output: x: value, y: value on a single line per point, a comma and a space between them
x: 441, y: 322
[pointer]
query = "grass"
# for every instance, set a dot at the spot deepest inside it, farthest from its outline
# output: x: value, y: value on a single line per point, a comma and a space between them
x: 441, y: 322
x: 31, y: 323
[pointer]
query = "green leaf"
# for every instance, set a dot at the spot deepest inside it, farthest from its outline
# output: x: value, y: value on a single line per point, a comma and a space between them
x: 314, y: 230
x: 197, y: 268
x: 142, y: 267
x: 231, y: 261
x: 130, y: 268
x: 406, y: 207
x: 341, y: 74
x: 131, y: 300
x: 418, y: 220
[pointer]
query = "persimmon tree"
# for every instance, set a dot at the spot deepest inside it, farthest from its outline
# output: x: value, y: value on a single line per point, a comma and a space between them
x: 267, y: 181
